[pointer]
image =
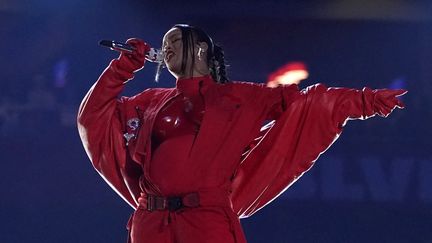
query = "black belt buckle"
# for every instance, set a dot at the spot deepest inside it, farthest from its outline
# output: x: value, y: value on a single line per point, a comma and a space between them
x: 150, y: 203
x: 174, y: 203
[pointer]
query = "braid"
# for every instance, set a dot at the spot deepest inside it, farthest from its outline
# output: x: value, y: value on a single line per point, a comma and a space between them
x: 217, y: 65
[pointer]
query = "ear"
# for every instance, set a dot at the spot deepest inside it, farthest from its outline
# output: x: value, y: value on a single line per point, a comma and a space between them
x: 202, y: 47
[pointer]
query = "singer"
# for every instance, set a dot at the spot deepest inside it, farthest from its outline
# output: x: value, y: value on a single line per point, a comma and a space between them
x: 191, y: 160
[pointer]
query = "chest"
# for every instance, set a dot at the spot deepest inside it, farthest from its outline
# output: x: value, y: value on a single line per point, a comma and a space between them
x: 180, y: 116
x: 226, y: 121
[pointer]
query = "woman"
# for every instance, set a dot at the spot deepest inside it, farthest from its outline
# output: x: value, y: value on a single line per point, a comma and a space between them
x: 193, y: 159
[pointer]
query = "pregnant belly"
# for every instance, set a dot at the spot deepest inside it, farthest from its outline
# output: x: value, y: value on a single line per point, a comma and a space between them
x: 171, y: 168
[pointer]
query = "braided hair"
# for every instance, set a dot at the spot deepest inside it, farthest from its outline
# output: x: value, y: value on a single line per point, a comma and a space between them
x: 217, y: 65
x: 215, y: 55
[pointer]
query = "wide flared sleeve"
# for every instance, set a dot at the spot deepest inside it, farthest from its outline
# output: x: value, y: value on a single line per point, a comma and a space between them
x: 100, y: 129
x: 310, y: 122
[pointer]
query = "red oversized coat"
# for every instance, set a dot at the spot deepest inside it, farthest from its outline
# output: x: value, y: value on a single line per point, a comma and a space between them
x: 306, y: 123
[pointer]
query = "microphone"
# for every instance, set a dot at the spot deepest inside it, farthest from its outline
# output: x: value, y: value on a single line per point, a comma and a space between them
x: 117, y: 46
x: 153, y: 55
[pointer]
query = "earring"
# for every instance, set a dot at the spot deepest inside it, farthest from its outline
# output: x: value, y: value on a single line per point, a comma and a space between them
x: 200, y: 53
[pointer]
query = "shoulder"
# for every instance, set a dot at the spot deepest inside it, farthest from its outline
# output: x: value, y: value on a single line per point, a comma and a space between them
x: 241, y: 87
x: 245, y: 85
x: 255, y: 91
x: 318, y: 87
x: 238, y: 90
x: 148, y: 94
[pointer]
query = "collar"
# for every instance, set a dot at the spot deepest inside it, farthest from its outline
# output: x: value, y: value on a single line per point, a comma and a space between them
x: 192, y: 86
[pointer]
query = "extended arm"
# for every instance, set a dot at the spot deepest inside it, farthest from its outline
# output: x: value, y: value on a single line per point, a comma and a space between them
x: 344, y: 103
x: 307, y: 123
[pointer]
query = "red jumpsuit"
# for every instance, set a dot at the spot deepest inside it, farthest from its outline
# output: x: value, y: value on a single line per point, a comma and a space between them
x: 196, y: 137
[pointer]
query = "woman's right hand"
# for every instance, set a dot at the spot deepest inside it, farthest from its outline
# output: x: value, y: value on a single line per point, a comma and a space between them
x: 133, y: 62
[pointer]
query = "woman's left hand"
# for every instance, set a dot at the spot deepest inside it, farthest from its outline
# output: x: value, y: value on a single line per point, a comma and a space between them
x: 386, y: 100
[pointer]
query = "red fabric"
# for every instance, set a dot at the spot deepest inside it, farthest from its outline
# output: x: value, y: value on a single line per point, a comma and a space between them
x: 181, y: 116
x: 213, y: 221
x: 201, y: 224
x: 306, y: 123
x: 174, y: 133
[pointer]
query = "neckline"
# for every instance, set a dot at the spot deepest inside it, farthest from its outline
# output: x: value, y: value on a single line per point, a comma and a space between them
x: 192, y: 85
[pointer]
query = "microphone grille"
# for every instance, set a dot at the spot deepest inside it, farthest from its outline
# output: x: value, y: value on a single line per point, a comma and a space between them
x: 106, y: 43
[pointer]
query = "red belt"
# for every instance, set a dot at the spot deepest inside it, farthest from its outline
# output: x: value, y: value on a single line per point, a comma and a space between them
x: 209, y: 197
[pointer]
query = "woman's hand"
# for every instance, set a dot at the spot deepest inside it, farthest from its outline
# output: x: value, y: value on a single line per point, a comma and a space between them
x: 133, y: 62
x: 386, y: 100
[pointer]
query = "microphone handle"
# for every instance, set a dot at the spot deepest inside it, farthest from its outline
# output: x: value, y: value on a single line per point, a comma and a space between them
x: 122, y: 47
x: 153, y: 55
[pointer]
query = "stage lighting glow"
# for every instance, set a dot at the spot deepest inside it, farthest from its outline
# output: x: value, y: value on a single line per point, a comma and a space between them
x: 398, y: 83
x: 290, y: 73
x: 60, y: 72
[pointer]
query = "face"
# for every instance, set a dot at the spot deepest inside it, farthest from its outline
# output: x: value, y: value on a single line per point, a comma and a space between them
x: 172, y: 46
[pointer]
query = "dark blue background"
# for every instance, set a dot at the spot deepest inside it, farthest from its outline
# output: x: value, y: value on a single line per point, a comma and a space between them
x: 372, y: 185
